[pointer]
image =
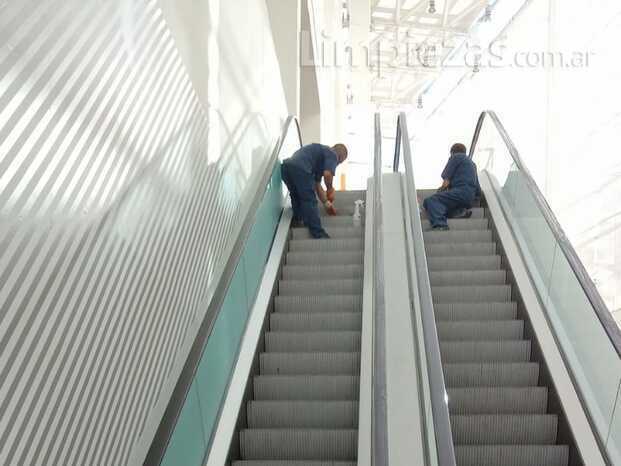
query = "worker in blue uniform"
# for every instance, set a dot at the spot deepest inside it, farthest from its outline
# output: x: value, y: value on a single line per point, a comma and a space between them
x: 302, y: 173
x: 460, y: 187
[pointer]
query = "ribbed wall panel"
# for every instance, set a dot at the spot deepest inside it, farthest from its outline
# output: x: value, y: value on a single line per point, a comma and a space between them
x: 115, y: 218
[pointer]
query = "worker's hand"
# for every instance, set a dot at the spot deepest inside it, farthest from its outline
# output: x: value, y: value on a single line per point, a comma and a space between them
x: 329, y: 208
x: 331, y: 194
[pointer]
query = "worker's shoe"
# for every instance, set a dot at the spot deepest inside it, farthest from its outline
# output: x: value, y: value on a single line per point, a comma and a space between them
x: 323, y: 235
x: 441, y: 228
x: 297, y: 223
x: 461, y: 213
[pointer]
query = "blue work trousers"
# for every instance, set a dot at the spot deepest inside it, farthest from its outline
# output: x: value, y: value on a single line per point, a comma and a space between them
x: 301, y: 187
x: 440, y: 205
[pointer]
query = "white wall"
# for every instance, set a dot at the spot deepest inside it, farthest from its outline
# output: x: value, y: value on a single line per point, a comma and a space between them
x: 132, y: 135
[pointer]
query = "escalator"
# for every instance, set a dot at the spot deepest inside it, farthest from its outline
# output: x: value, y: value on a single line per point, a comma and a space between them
x: 393, y: 344
x: 305, y: 395
x: 498, y: 404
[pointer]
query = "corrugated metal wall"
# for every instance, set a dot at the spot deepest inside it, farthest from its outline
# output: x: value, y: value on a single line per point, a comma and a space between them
x: 115, y: 218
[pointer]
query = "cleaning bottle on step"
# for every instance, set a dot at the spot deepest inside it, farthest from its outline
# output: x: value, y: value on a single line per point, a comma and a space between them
x: 358, y: 205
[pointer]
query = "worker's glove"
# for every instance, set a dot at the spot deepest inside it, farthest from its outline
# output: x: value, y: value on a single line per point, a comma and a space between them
x: 329, y: 207
x: 331, y: 194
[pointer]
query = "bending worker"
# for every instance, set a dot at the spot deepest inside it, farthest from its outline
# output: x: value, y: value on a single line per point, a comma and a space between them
x: 460, y: 186
x: 302, y: 173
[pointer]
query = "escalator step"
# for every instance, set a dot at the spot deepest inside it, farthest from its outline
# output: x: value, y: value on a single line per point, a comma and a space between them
x: 333, y: 231
x: 319, y: 287
x: 460, y: 249
x: 498, y: 400
x: 480, y: 330
x: 292, y: 463
x: 462, y: 224
x: 307, y: 342
x: 512, y: 455
x: 476, y: 311
x: 334, y: 303
x: 325, y: 258
x: 322, y: 245
x: 483, y: 262
x: 290, y: 444
x: 471, y: 294
x: 315, y: 321
x: 314, y: 272
x: 306, y: 387
x: 468, y: 277
x: 304, y: 414
x: 458, y: 236
x: 504, y: 429
x: 485, y: 351
x: 494, y: 374
x: 337, y: 221
x: 309, y: 363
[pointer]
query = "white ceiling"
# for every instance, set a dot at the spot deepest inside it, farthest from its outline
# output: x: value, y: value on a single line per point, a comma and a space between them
x: 423, y: 40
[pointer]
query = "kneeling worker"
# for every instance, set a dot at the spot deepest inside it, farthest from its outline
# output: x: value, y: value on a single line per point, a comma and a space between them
x: 302, y: 173
x: 460, y: 186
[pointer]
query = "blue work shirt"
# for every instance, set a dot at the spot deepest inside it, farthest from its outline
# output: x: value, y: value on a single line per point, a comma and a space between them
x: 314, y: 159
x: 461, y: 173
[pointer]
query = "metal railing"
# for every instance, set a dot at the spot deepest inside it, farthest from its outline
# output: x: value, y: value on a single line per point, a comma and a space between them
x: 167, y: 426
x: 439, y: 401
x: 599, y: 306
x: 379, y: 420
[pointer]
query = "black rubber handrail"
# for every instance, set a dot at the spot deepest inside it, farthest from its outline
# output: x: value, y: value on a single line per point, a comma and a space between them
x: 599, y: 306
x: 171, y: 415
x: 439, y: 406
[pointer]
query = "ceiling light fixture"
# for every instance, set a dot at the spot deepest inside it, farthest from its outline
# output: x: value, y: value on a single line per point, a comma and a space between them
x: 432, y: 6
x: 420, y: 102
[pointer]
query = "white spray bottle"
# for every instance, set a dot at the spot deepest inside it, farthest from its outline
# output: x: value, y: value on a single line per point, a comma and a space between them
x: 358, y: 205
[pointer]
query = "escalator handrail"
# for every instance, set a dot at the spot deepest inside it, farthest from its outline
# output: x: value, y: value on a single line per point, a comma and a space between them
x: 379, y: 447
x: 167, y: 425
x: 599, y: 306
x: 439, y: 405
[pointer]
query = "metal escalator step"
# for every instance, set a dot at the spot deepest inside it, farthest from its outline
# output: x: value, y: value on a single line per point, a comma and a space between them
x: 314, y: 272
x: 475, y: 311
x: 491, y: 374
x: 471, y: 294
x: 337, y: 221
x: 304, y: 444
x: 468, y: 277
x: 306, y: 387
x: 477, y: 212
x: 323, y: 245
x: 307, y: 342
x: 485, y: 351
x: 498, y: 400
x: 320, y: 287
x: 344, y: 209
x: 292, y: 463
x: 325, y: 258
x: 334, y: 303
x: 460, y: 249
x: 462, y: 224
x: 303, y: 414
x: 442, y: 264
x: 315, y: 321
x: 334, y: 232
x: 309, y: 363
x: 504, y: 429
x: 458, y: 236
x: 512, y: 455
x: 480, y: 330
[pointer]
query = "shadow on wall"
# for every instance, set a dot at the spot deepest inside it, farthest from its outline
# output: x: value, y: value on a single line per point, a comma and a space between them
x: 114, y: 220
